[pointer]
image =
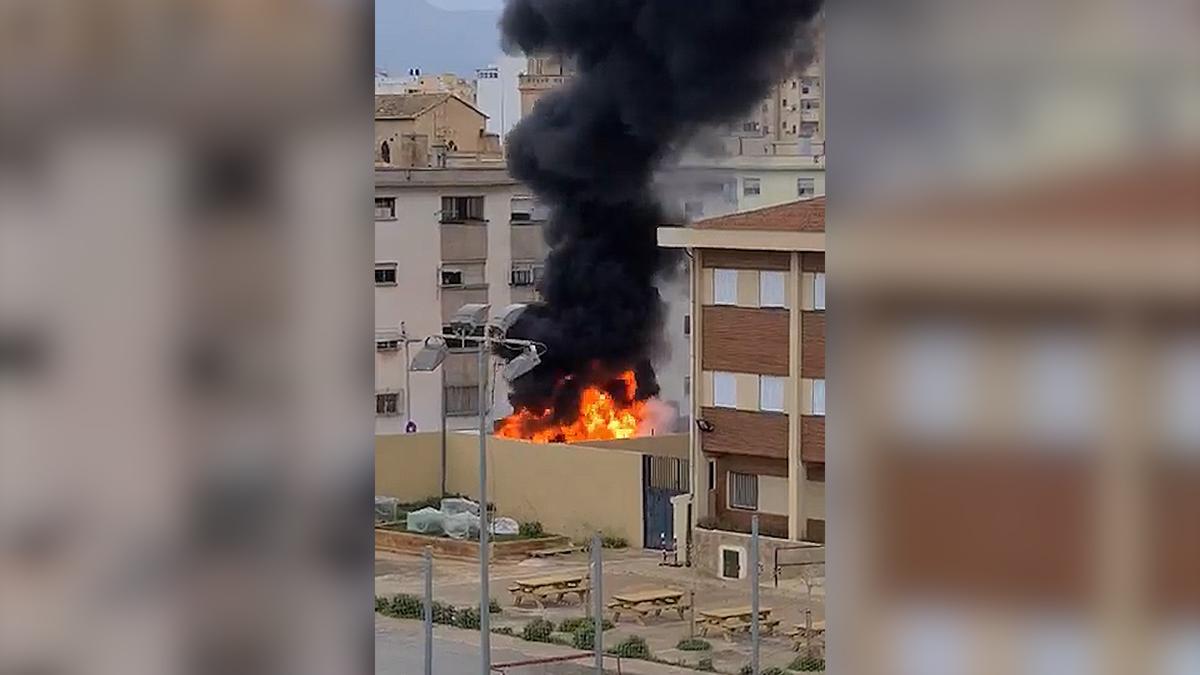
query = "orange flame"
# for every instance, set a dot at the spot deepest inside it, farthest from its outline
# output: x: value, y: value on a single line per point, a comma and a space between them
x: 601, y: 418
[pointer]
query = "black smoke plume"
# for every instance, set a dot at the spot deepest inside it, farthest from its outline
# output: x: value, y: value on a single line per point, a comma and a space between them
x: 649, y: 74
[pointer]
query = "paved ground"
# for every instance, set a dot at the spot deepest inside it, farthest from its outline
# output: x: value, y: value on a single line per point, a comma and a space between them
x: 456, y: 582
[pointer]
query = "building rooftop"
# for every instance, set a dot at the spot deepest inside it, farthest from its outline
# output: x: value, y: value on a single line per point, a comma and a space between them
x: 410, y: 106
x: 806, y: 215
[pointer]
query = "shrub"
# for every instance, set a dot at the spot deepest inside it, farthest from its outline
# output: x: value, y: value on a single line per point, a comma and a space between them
x: 405, y: 606
x: 584, y: 636
x: 746, y: 670
x: 444, y: 614
x: 633, y: 647
x: 560, y: 639
x: 382, y: 604
x: 493, y: 606
x: 693, y: 645
x: 503, y: 630
x: 538, y: 630
x: 611, y: 541
x: 467, y: 617
x: 575, y: 623
x: 531, y: 529
x: 773, y: 670
x: 807, y: 664
x: 705, y: 665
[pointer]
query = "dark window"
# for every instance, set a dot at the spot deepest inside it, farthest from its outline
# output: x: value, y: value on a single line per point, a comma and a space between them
x: 687, y: 324
x: 385, y: 153
x: 387, y: 404
x: 387, y: 345
x: 712, y: 474
x: 461, y: 209
x: 522, y: 276
x: 731, y: 563
x: 462, y: 400
x: 743, y: 491
x: 385, y: 275
x: 452, y: 278
x: 385, y: 208
x: 815, y: 472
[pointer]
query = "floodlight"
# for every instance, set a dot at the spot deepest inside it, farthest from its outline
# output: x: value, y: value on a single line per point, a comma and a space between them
x: 432, y: 353
x: 509, y: 316
x: 522, y: 364
x: 469, y: 317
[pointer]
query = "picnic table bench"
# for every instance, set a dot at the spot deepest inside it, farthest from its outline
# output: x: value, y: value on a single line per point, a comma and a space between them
x: 808, y: 634
x: 542, y: 589
x: 645, y: 603
x: 731, y: 620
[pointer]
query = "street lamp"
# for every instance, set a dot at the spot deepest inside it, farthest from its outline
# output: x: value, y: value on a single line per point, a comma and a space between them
x: 433, y: 352
x: 470, y: 324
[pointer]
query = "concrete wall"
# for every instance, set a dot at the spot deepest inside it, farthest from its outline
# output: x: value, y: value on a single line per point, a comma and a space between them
x: 708, y: 544
x: 408, y: 466
x: 668, y: 445
x: 571, y: 489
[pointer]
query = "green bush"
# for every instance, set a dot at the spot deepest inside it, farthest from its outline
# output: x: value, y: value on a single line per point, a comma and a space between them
x: 773, y: 670
x: 538, y: 630
x: 806, y: 664
x: 633, y: 647
x: 503, y: 630
x: 382, y: 604
x: 746, y: 670
x: 405, y: 606
x: 575, y: 623
x: 493, y: 606
x: 584, y: 636
x: 612, y: 541
x: 559, y: 639
x: 693, y: 645
x: 443, y: 613
x: 467, y: 617
x: 706, y: 665
x: 531, y: 529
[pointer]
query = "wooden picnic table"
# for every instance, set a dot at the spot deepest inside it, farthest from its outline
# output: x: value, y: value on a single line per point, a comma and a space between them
x: 730, y: 620
x: 647, y: 602
x: 541, y: 589
x: 808, y: 635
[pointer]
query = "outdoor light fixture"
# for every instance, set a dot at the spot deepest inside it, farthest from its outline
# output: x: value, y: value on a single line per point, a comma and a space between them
x: 525, y: 362
x: 469, y: 317
x: 432, y: 353
x: 704, y: 425
x: 509, y: 316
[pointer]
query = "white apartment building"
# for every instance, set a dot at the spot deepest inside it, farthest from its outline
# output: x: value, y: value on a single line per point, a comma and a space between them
x: 497, y: 94
x: 444, y: 238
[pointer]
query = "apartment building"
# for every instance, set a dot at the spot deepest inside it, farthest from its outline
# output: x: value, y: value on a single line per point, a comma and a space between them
x: 758, y: 369
x: 430, y: 130
x: 445, y: 238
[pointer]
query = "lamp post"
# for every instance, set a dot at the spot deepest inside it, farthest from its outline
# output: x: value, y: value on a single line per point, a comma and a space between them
x: 466, y: 322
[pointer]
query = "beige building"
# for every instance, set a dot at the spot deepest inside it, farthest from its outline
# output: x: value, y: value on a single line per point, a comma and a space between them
x: 758, y: 373
x: 430, y: 130
x: 446, y: 83
x: 445, y: 238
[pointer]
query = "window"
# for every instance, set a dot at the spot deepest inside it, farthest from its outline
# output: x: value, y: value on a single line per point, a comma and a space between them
x: 731, y: 562
x: 385, y: 274
x: 751, y: 187
x: 819, y: 291
x: 750, y: 126
x: 385, y: 153
x: 385, y: 208
x: 785, y: 102
x: 725, y: 287
x: 387, y: 345
x: 771, y: 393
x: 818, y: 397
x: 687, y: 324
x: 461, y: 209
x: 810, y: 104
x: 771, y: 289
x: 387, y: 404
x: 815, y: 472
x: 462, y: 400
x: 522, y: 276
x: 805, y: 89
x: 724, y: 390
x: 539, y: 271
x: 450, y: 277
x: 693, y: 210
x: 687, y: 385
x: 743, y: 491
x: 806, y: 187
x: 808, y: 129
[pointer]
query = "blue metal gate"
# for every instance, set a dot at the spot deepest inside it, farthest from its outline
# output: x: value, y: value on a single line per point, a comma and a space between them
x: 662, y: 478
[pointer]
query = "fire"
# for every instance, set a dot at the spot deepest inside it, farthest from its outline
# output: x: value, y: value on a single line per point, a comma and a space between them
x: 601, y: 418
